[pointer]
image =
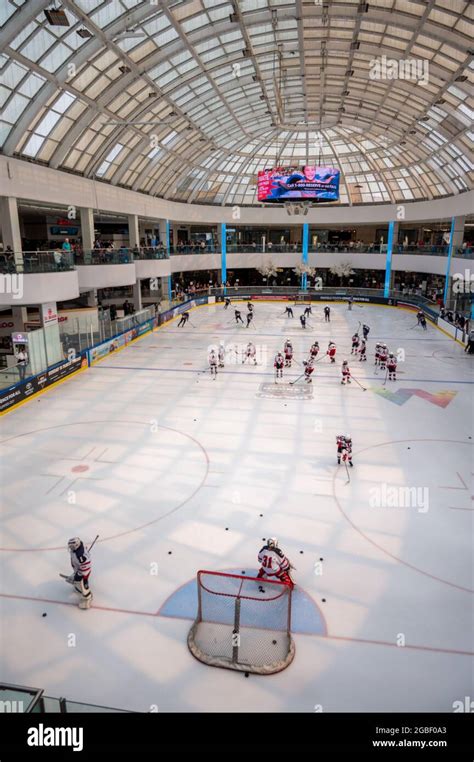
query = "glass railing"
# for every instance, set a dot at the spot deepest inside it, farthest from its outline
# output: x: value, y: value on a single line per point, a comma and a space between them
x: 122, y: 256
x: 150, y: 252
x: 19, y: 699
x: 13, y: 375
x: 37, y: 262
x: 209, y: 248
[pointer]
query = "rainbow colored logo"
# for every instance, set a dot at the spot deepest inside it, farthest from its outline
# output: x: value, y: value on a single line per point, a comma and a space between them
x: 440, y: 399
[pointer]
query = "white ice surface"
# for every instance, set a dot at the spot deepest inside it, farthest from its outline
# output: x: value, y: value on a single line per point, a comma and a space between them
x: 171, y: 458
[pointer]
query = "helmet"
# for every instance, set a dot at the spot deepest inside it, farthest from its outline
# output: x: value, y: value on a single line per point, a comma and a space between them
x: 272, y: 542
x: 384, y: 346
x: 391, y: 354
x: 74, y: 543
x: 316, y: 344
x: 344, y: 362
x: 348, y: 438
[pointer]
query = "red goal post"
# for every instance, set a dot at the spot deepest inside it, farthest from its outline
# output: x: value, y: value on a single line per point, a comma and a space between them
x: 242, y: 623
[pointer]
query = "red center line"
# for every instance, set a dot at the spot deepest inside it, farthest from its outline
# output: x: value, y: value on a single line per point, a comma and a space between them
x: 349, y: 639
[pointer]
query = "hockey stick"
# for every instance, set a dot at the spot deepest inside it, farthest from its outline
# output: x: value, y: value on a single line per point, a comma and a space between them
x: 364, y: 388
x: 347, y: 472
x: 296, y: 379
x: 386, y: 375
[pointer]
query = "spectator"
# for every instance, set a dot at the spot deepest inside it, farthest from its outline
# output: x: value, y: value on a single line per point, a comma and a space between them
x: 270, y: 246
x: 470, y: 344
x: 127, y: 308
x: 22, y: 361
x: 113, y: 312
x: 66, y: 245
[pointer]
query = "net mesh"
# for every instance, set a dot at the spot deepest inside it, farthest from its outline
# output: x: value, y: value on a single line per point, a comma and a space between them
x: 243, y: 623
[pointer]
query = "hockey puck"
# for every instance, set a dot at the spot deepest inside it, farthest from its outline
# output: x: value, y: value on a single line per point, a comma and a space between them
x: 321, y: 559
x: 170, y: 552
x: 301, y: 551
x: 246, y: 674
x: 274, y: 642
x: 408, y: 448
x: 45, y: 614
x: 261, y: 515
x: 227, y: 529
x: 323, y: 600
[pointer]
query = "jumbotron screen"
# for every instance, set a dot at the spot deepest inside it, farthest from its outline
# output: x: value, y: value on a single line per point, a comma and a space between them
x: 285, y: 184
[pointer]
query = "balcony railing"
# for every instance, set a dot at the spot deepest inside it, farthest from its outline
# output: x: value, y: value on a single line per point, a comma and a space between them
x: 36, y: 262
x: 186, y: 248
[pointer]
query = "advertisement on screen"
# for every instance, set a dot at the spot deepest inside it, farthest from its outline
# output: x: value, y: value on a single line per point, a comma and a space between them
x: 287, y: 184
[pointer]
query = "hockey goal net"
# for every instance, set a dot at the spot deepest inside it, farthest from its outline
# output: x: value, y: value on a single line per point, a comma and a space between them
x: 242, y: 623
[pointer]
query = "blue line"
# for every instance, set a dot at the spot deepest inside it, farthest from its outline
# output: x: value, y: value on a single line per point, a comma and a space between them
x: 263, y: 373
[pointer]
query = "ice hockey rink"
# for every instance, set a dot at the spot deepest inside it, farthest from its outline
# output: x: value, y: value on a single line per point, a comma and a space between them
x: 177, y: 472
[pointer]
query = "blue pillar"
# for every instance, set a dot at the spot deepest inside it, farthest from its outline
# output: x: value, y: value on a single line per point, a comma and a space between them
x: 304, y: 258
x: 168, y: 247
x: 388, y: 261
x: 224, y: 252
x: 448, y: 265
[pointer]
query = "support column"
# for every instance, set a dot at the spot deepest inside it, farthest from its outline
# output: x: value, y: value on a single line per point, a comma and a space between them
x: 87, y: 228
x: 137, y: 295
x: 304, y: 256
x: 455, y: 241
x: 20, y: 317
x: 392, y: 236
x: 10, y: 224
x: 133, y: 231
x: 223, y: 242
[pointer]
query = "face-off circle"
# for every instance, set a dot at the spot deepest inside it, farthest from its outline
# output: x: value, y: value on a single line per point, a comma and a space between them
x: 413, y: 503
x: 110, y: 478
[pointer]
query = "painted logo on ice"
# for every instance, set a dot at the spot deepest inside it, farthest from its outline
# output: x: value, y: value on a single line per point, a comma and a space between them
x: 440, y: 399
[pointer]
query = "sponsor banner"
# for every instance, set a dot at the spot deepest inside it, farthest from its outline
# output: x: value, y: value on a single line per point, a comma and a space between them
x: 269, y: 298
x: 49, y: 313
x: 22, y: 392
x: 107, y: 347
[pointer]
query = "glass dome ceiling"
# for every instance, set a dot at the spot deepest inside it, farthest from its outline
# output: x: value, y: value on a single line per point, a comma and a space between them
x: 188, y: 99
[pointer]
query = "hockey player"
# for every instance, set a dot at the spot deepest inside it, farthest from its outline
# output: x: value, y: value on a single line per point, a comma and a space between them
x: 331, y: 351
x: 279, y: 361
x: 392, y: 367
x: 378, y: 347
x: 213, y: 362
x: 250, y: 353
x: 227, y: 302
x: 349, y: 302
x: 419, y: 315
x: 362, y: 351
x: 346, y: 373
x: 423, y: 322
x: 314, y: 350
x: 238, y: 317
x: 308, y: 370
x: 274, y: 564
x: 327, y: 314
x: 365, y: 331
x: 383, y: 355
x: 303, y: 321
x: 184, y: 319
x: 288, y: 350
x: 221, y: 355
x: 289, y: 312
x: 82, y: 567
x: 249, y: 318
x: 344, y: 449
x: 308, y: 311
x: 250, y: 306
x: 355, y: 344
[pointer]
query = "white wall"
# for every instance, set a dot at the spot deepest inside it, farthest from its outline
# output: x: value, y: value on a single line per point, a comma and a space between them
x: 152, y: 268
x: 26, y: 180
x: 38, y: 288
x: 189, y: 262
x: 105, y: 276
